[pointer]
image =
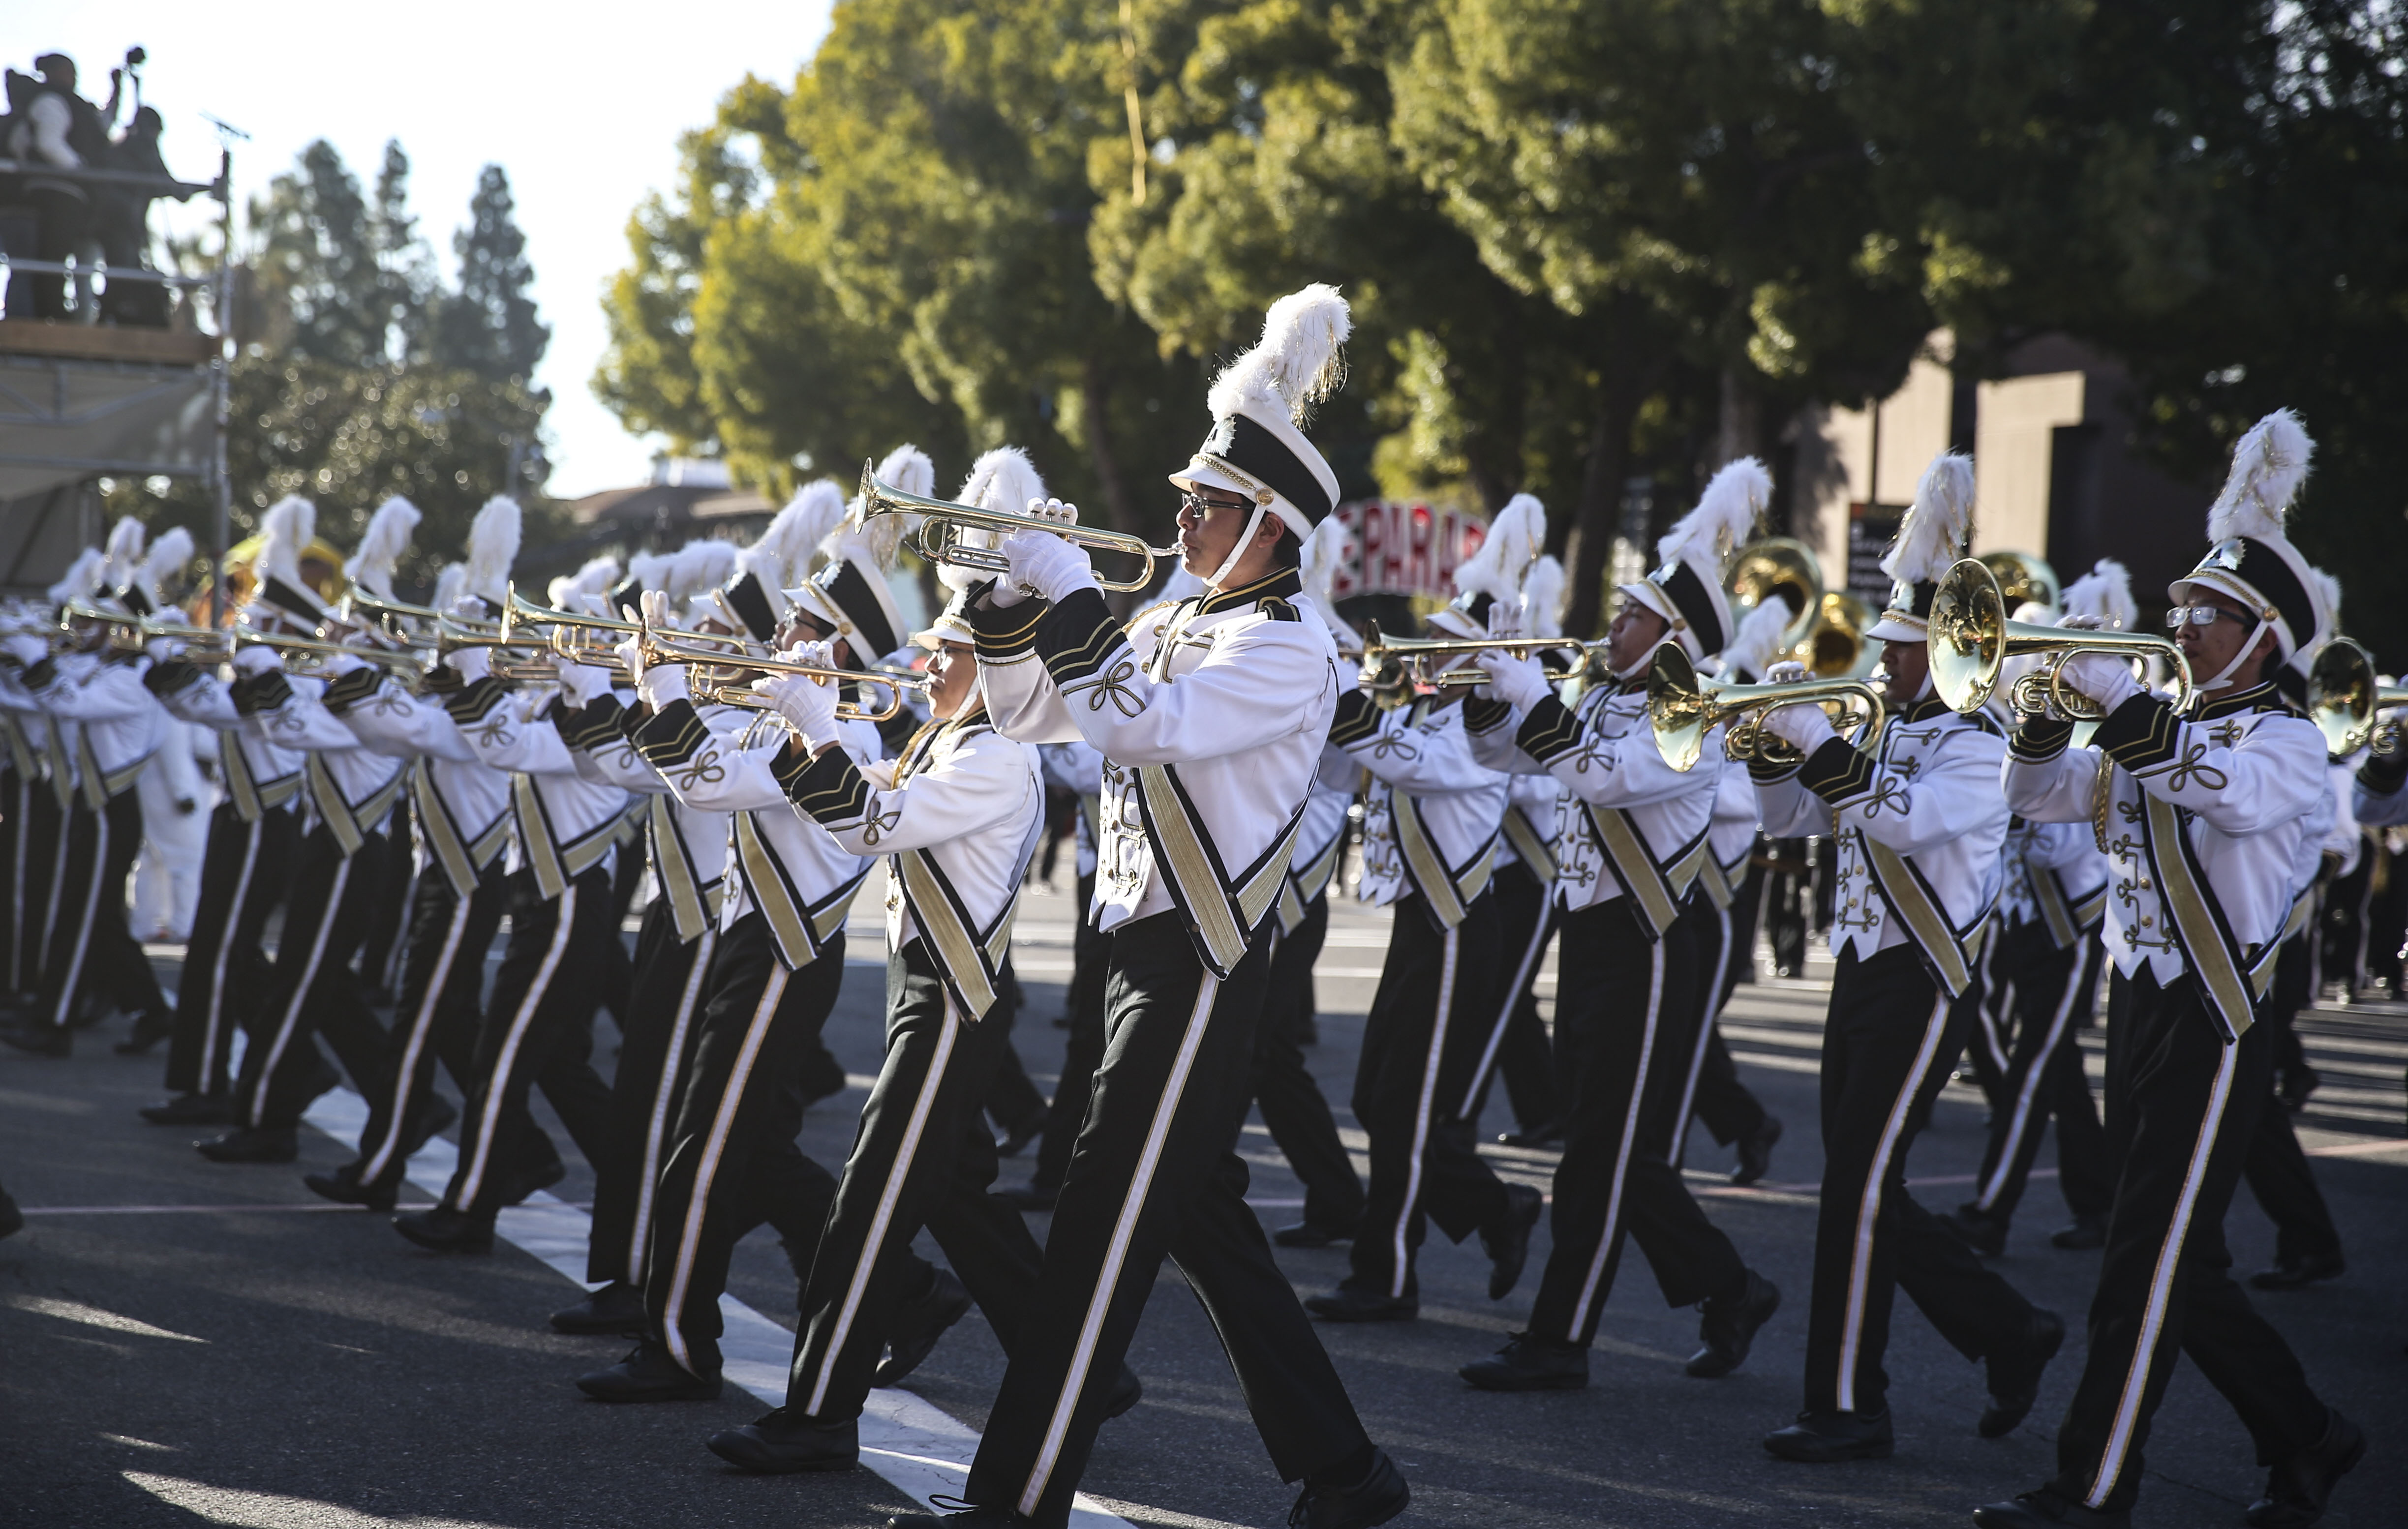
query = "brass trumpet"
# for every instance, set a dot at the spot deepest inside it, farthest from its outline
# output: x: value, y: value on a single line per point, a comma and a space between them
x: 938, y: 538
x: 1682, y: 710
x: 718, y: 682
x: 2344, y: 698
x: 389, y: 615
x: 561, y: 639
x: 124, y: 629
x: 404, y: 665
x: 1972, y: 639
x: 1394, y: 666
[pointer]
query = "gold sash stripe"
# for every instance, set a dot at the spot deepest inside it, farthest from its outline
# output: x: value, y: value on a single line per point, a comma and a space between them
x: 1449, y: 893
x: 462, y: 859
x: 1654, y: 889
x: 1222, y: 911
x: 1536, y: 848
x: 2067, y: 919
x: 970, y: 962
x: 99, y: 786
x: 693, y: 900
x: 1951, y: 953
x: 22, y: 758
x: 802, y: 929
x: 556, y: 864
x: 62, y: 770
x: 350, y: 822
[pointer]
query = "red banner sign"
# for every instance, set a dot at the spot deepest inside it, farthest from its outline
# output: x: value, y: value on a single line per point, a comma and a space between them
x: 1404, y: 548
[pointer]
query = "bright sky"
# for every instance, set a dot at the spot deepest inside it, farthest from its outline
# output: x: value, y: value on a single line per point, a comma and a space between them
x: 580, y: 105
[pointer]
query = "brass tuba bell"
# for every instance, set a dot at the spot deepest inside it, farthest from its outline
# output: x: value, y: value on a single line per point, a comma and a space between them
x: 2344, y: 697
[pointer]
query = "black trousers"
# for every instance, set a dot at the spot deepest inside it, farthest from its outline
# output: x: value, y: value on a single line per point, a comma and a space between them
x: 1422, y: 1042
x: 227, y: 977
x: 1518, y: 1047
x: 28, y: 873
x: 1084, y: 1048
x: 1285, y: 1094
x: 1789, y: 897
x: 1990, y: 1040
x: 2275, y: 1167
x: 1711, y: 1091
x: 657, y: 1029
x: 91, y: 950
x: 733, y: 1163
x: 380, y: 953
x: 2181, y: 1108
x: 314, y: 990
x: 537, y: 1028
x: 2387, y: 918
x: 436, y: 1012
x: 1889, y: 1043
x: 2057, y: 993
x: 1156, y: 1175
x: 2348, y: 900
x: 46, y: 874
x: 921, y: 1157
x: 1630, y: 1002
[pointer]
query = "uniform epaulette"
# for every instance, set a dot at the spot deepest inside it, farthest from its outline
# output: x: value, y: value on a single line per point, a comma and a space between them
x: 672, y: 736
x: 348, y: 690
x: 263, y: 692
x: 1837, y: 771
x: 1985, y: 722
x: 475, y: 699
x: 1549, y: 731
x: 1077, y: 636
x: 2040, y: 739
x: 594, y: 725
x: 1278, y: 609
x: 830, y: 789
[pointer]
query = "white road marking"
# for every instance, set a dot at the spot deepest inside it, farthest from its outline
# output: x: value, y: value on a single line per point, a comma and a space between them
x: 272, y: 1510
x: 92, y: 1316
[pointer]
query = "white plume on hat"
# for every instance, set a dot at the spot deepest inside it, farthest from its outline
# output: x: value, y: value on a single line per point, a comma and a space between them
x: 1724, y: 517
x: 169, y: 552
x: 1504, y: 556
x: 1003, y: 479
x: 698, y: 565
x: 1299, y: 360
x: 382, y: 546
x: 2105, y: 591
x: 1542, y: 598
x: 450, y: 585
x: 290, y: 524
x: 2327, y: 589
x: 493, y: 546
x: 83, y: 578
x: 1758, y: 643
x: 1932, y: 535
x: 908, y: 468
x: 2268, y: 467
x: 650, y: 570
x: 594, y: 579
x: 121, y: 561
x: 783, y: 554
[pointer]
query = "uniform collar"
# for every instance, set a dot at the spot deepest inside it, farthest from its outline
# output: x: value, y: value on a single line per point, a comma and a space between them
x: 1280, y: 584
x: 2258, y: 697
x: 1923, y: 710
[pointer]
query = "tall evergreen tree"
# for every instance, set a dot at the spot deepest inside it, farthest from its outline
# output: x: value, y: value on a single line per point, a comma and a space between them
x: 409, y: 284
x: 489, y: 326
x: 316, y: 263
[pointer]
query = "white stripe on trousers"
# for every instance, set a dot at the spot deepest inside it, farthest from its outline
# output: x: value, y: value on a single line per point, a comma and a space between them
x: 2162, y: 1281
x: 723, y: 1122
x: 1401, y: 1256
x: 1630, y: 1140
x: 506, y: 1061
x: 888, y: 1194
x: 1546, y: 927
x: 1986, y: 1015
x: 301, y: 989
x: 58, y: 879
x: 395, y: 1125
x: 1083, y: 1356
x: 17, y: 888
x: 1714, y: 1008
x: 1869, y: 1201
x: 90, y: 910
x: 2019, y: 1113
x: 640, y: 1237
x: 212, y: 1026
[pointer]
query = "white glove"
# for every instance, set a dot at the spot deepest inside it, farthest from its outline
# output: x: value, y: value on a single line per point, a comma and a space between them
x: 27, y: 649
x: 583, y: 683
x: 257, y: 660
x: 162, y: 648
x: 1507, y: 619
x: 337, y: 664
x: 472, y: 664
x: 807, y: 705
x: 664, y: 684
x: 2081, y: 623
x: 1519, y: 681
x: 656, y: 610
x: 1787, y: 672
x: 1804, y: 726
x: 631, y: 653
x: 2101, y: 677
x: 1054, y: 569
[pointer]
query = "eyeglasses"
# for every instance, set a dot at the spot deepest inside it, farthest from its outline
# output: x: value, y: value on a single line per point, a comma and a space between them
x: 1199, y: 506
x: 2182, y: 616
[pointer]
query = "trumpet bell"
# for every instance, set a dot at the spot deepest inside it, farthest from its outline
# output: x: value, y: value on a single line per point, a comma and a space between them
x: 1682, y: 710
x: 1972, y: 639
x: 1678, y: 708
x: 2345, y: 693
x: 1784, y: 566
x: 943, y: 525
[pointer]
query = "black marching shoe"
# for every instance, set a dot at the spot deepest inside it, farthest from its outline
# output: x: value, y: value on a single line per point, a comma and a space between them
x: 343, y: 1187
x: 615, y: 1311
x: 2014, y: 1377
x: 786, y: 1443
x: 1726, y: 1328
x: 1306, y: 1235
x: 1348, y: 1303
x: 2086, y: 1232
x: 1755, y: 1151
x: 149, y: 1030
x: 189, y: 1109
x: 2043, y: 1509
x: 1374, y: 1496
x: 2298, y: 1489
x: 444, y: 1230
x: 1031, y: 1195
x: 1507, y: 1244
x: 39, y: 1038
x: 2298, y: 1273
x: 1823, y: 1439
x: 251, y: 1144
x: 1985, y: 1233
x: 960, y: 1515
x: 1530, y: 1363
x: 648, y: 1374
x: 918, y: 1323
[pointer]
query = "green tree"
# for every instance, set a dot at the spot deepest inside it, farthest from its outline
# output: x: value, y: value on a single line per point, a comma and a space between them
x: 410, y: 283
x: 489, y: 326
x: 315, y: 261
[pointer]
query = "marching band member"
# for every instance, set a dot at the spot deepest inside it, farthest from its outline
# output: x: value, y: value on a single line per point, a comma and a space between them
x: 2202, y: 808
x: 1630, y: 835
x: 2054, y: 899
x: 1430, y: 823
x: 1917, y: 824
x: 46, y: 863
x: 349, y: 791
x: 27, y: 847
x: 1212, y: 714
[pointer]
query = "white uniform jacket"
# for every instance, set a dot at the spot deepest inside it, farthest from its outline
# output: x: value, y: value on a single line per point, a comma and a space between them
x: 1919, y: 825
x: 119, y: 723
x: 260, y: 775
x: 688, y: 845
x: 1532, y: 802
x: 346, y: 786
x: 2381, y: 798
x: 37, y: 750
x: 1431, y: 813
x: 958, y: 816
x: 1078, y: 768
x: 779, y: 862
x: 2054, y: 873
x: 1210, y: 714
x: 1627, y: 823
x: 2202, y: 815
x: 460, y: 804
x: 564, y: 823
x: 1731, y: 835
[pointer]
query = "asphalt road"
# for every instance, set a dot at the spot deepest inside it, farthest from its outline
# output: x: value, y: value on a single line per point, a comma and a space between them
x: 186, y: 1343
